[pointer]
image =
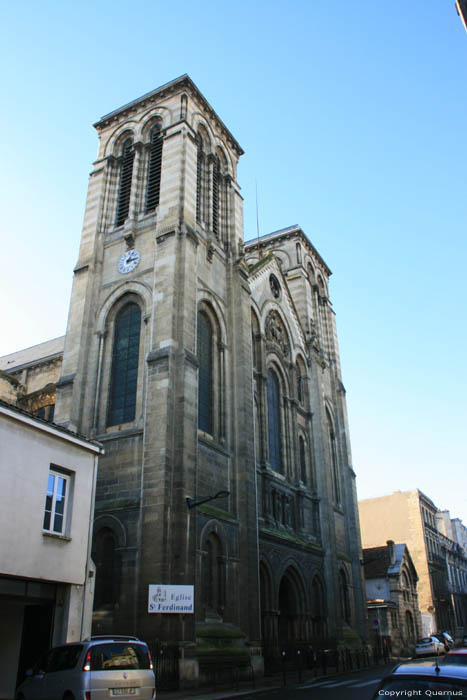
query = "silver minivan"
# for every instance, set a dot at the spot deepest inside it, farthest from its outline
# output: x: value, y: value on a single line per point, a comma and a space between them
x: 93, y: 669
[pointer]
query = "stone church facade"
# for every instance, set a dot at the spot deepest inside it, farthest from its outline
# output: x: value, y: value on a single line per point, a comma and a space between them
x: 204, y: 365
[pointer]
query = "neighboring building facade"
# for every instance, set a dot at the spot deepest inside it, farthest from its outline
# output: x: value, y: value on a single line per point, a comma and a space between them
x: 46, y: 508
x: 461, y: 7
x: 206, y: 365
x: 392, y: 598
x: 413, y: 517
x: 28, y: 378
x: 454, y: 541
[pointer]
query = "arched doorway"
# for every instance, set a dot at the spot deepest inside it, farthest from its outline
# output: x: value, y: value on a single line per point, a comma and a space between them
x: 288, y: 631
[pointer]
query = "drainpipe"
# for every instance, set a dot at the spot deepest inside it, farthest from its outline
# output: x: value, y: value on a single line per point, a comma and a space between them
x: 89, y: 570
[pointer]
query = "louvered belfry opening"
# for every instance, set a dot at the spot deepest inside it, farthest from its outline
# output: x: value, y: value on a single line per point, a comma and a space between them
x: 153, y: 187
x: 124, y: 188
x: 215, y: 197
x: 199, y: 177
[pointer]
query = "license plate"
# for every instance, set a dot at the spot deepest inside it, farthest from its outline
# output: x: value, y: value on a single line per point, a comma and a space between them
x: 123, y: 691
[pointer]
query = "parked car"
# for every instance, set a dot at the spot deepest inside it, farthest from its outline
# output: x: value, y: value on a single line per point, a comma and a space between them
x: 457, y: 657
x: 425, y: 679
x: 446, y: 638
x: 428, y: 646
x: 97, y: 668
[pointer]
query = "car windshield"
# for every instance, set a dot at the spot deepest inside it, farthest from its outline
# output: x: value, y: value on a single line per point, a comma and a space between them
x: 121, y: 656
x: 425, y: 640
x: 447, y: 687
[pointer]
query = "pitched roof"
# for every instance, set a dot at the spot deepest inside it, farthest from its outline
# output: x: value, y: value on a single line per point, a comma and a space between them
x: 376, y: 562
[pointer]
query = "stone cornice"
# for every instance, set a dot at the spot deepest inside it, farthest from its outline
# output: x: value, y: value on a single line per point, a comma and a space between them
x: 181, y: 84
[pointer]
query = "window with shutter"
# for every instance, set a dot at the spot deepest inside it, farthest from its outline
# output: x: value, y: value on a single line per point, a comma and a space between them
x: 154, y: 170
x: 124, y: 187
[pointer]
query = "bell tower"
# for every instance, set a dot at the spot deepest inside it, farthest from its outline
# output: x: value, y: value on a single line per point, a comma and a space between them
x: 157, y: 366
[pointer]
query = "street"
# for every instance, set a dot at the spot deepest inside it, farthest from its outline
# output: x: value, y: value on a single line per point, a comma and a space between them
x: 354, y: 686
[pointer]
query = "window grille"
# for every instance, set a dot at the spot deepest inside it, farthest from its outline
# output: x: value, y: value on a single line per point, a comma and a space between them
x: 205, y: 376
x: 124, y: 188
x: 125, y: 357
x: 154, y: 170
x: 274, y: 421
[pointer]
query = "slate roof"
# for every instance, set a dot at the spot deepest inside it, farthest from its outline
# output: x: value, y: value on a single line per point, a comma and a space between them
x: 376, y: 562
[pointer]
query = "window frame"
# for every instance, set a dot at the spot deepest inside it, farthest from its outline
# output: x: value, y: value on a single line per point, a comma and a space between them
x: 57, y: 474
x: 125, y: 181
x: 111, y: 408
x: 214, y: 393
x: 274, y: 416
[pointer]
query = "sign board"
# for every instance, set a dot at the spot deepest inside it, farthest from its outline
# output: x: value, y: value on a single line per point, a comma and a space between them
x: 171, y: 599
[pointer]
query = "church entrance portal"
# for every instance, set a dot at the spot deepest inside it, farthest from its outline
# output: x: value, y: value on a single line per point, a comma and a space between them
x: 288, y: 612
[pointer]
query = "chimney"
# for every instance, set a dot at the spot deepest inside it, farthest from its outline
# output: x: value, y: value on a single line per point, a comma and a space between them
x: 391, y: 552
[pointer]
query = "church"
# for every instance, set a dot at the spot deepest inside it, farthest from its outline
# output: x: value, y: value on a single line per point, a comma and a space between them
x: 208, y: 369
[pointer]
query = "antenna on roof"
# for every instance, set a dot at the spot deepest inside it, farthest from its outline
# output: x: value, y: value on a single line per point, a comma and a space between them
x: 260, y: 252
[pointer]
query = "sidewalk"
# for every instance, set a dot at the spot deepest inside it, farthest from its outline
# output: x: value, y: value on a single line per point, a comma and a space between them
x: 262, y: 684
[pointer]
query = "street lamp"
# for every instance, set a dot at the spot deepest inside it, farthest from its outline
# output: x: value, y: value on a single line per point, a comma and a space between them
x: 191, y: 503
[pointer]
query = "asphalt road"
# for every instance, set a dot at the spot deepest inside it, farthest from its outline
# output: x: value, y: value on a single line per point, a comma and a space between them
x: 359, y: 685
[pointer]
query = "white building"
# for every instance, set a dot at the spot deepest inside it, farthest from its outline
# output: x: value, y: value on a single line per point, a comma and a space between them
x: 46, y: 509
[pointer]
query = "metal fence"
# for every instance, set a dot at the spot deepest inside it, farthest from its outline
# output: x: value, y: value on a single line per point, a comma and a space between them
x: 298, y: 658
x: 291, y: 661
x: 165, y: 658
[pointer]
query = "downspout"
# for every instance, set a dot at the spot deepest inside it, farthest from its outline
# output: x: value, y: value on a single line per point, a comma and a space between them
x: 89, y: 572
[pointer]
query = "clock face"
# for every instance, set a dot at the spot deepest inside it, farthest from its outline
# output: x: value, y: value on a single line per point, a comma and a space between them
x: 128, y: 261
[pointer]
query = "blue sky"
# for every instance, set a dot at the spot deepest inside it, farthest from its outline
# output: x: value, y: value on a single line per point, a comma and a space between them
x: 351, y: 114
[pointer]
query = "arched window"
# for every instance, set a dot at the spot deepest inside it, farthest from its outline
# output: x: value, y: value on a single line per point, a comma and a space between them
x: 344, y: 592
x: 299, y: 252
x: 405, y: 587
x: 410, y: 627
x: 214, y: 575
x: 124, y: 187
x: 153, y: 185
x: 215, y: 196
x: 301, y: 381
x: 200, y: 185
x: 318, y: 609
x: 205, y: 375
x: 107, y: 569
x: 125, y: 357
x: 334, y: 463
x: 301, y: 446
x: 274, y: 421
